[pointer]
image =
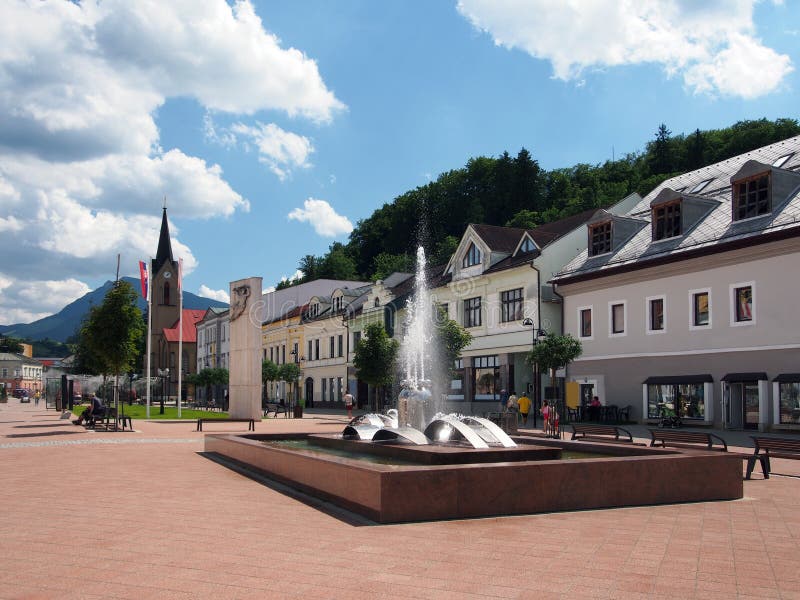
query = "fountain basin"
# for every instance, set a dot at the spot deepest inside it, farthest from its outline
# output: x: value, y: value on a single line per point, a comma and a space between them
x: 516, y: 480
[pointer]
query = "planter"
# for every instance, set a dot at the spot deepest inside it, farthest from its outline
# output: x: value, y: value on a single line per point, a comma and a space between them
x: 298, y: 411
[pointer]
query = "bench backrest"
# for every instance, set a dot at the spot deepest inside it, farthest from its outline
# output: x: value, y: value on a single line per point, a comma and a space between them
x: 598, y: 429
x: 688, y: 437
x: 777, y: 444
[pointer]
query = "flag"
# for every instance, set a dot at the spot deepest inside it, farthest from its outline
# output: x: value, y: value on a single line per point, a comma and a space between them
x: 180, y: 275
x: 143, y: 277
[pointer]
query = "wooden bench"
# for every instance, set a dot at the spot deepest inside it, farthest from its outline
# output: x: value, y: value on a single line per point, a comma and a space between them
x: 250, y: 427
x: 768, y: 447
x: 686, y: 438
x: 272, y: 407
x: 583, y: 430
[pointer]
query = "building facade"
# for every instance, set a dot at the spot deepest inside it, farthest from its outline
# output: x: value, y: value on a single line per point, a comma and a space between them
x: 684, y: 303
x: 20, y: 372
x: 213, y: 343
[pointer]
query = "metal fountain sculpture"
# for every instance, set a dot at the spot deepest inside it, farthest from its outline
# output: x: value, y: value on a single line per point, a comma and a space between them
x: 416, y: 419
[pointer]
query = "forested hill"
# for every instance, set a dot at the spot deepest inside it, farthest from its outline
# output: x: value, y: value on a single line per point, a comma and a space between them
x: 515, y: 191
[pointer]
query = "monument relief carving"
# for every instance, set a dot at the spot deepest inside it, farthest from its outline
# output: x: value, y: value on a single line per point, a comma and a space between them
x: 239, y: 301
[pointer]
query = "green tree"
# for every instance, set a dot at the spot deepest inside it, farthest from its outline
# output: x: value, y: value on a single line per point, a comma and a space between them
x: 113, y: 330
x: 290, y: 373
x: 554, y: 352
x: 11, y: 344
x: 207, y: 378
x: 374, y: 358
x: 660, y: 151
x: 525, y: 219
x: 385, y: 264
x: 269, y: 372
x: 452, y: 339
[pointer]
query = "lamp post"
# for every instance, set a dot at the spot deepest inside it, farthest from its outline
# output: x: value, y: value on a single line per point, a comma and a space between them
x: 536, y: 334
x: 164, y: 387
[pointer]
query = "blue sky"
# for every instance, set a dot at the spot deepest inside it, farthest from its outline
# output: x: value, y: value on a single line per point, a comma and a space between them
x: 273, y: 127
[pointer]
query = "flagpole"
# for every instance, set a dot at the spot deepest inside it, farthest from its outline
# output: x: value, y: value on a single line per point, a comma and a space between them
x: 180, y: 333
x: 149, y: 331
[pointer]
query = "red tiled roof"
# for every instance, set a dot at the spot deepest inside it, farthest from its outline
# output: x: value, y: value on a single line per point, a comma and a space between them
x: 190, y: 320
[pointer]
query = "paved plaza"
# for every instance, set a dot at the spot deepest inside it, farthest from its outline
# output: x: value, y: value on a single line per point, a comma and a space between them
x: 146, y: 514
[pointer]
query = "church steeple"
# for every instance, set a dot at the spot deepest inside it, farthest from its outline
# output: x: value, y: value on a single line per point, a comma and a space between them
x: 164, y: 252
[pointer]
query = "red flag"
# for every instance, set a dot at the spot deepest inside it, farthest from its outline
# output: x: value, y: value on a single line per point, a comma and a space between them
x: 143, y: 278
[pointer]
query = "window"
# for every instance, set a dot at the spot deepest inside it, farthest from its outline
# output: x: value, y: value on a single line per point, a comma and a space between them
x: 166, y: 292
x: 585, y: 321
x: 283, y: 354
x: 272, y: 354
x: 667, y: 220
x: 789, y: 402
x: 779, y: 162
x: 472, y: 312
x: 701, y: 308
x: 742, y: 298
x: 600, y: 238
x: 655, y: 315
x: 700, y: 186
x: 616, y: 319
x: 337, y: 304
x: 340, y: 351
x: 527, y: 245
x: 472, y: 257
x: 324, y: 389
x: 5, y: 372
x: 511, y: 305
x: 338, y: 389
x: 316, y: 349
x: 356, y: 338
x: 296, y: 353
x: 456, y: 391
x: 310, y: 354
x: 442, y: 312
x: 331, y: 347
x: 330, y: 388
x: 377, y: 302
x: 486, y: 377
x: 751, y: 197
x: 686, y: 400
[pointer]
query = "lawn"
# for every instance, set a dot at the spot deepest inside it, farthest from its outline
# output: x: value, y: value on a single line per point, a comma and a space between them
x: 138, y: 411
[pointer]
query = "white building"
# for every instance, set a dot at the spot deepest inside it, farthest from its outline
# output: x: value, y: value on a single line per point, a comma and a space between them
x: 686, y: 302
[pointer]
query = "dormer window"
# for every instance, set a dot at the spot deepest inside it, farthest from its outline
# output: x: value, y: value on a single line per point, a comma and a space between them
x: 313, y: 310
x: 472, y: 257
x: 667, y: 220
x: 337, y: 304
x: 377, y: 302
x: 600, y: 238
x: 751, y: 197
x: 527, y: 245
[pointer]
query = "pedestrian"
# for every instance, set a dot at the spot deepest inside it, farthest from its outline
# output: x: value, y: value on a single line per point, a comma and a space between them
x: 546, y: 418
x: 503, y: 400
x: 524, y: 408
x: 512, y: 402
x: 348, y: 404
x: 36, y: 397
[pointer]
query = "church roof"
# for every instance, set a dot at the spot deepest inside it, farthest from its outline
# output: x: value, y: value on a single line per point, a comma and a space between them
x: 164, y: 252
x: 190, y: 320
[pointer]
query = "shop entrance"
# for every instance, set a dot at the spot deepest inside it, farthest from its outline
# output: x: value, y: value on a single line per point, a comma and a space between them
x: 741, y: 411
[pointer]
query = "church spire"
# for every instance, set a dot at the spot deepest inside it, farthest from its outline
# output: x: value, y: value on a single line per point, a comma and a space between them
x: 164, y: 252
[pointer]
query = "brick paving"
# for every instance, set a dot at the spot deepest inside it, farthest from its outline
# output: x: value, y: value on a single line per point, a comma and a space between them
x: 145, y: 514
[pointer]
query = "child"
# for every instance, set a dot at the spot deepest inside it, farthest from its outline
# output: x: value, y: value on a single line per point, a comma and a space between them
x: 546, y: 418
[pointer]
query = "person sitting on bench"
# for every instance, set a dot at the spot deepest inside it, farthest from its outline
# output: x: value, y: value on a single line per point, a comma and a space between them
x: 94, y: 411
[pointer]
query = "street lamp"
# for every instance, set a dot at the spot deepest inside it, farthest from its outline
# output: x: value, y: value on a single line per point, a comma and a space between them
x: 164, y: 387
x: 537, y: 333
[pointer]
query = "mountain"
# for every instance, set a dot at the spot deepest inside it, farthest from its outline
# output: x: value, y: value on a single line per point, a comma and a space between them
x: 63, y: 324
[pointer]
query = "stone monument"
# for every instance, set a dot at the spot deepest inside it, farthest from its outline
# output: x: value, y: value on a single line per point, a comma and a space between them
x: 244, y: 385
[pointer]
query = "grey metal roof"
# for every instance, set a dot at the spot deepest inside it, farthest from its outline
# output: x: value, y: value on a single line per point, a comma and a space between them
x: 715, y: 228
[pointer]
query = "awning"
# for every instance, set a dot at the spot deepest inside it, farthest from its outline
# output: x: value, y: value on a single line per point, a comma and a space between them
x: 740, y: 377
x: 787, y: 377
x: 678, y: 379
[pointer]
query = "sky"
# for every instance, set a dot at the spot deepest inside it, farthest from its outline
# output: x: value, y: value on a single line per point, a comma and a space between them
x: 272, y: 128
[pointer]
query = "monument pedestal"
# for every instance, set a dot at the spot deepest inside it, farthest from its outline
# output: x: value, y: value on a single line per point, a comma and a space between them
x: 244, y: 382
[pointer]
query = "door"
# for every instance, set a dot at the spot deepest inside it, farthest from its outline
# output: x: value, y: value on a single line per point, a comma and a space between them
x: 750, y: 404
x: 309, y: 392
x: 734, y: 411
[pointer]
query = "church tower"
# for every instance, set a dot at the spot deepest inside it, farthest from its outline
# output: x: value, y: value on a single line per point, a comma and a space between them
x: 164, y: 300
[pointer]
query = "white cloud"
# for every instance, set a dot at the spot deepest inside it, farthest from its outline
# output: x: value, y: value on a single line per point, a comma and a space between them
x: 322, y: 217
x: 26, y: 301
x: 280, y: 150
x: 207, y: 292
x: 710, y: 44
x: 82, y: 173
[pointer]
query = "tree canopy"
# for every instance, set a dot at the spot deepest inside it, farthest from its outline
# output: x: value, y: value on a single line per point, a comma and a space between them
x: 375, y: 356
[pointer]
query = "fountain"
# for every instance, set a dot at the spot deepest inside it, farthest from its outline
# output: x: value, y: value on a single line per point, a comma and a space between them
x: 417, y: 463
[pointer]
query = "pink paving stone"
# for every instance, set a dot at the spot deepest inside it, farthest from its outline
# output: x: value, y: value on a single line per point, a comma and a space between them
x: 178, y: 525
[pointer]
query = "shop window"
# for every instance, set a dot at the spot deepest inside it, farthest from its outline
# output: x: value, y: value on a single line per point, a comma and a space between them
x: 456, y: 391
x: 486, y: 376
x: 789, y: 402
x: 685, y: 400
